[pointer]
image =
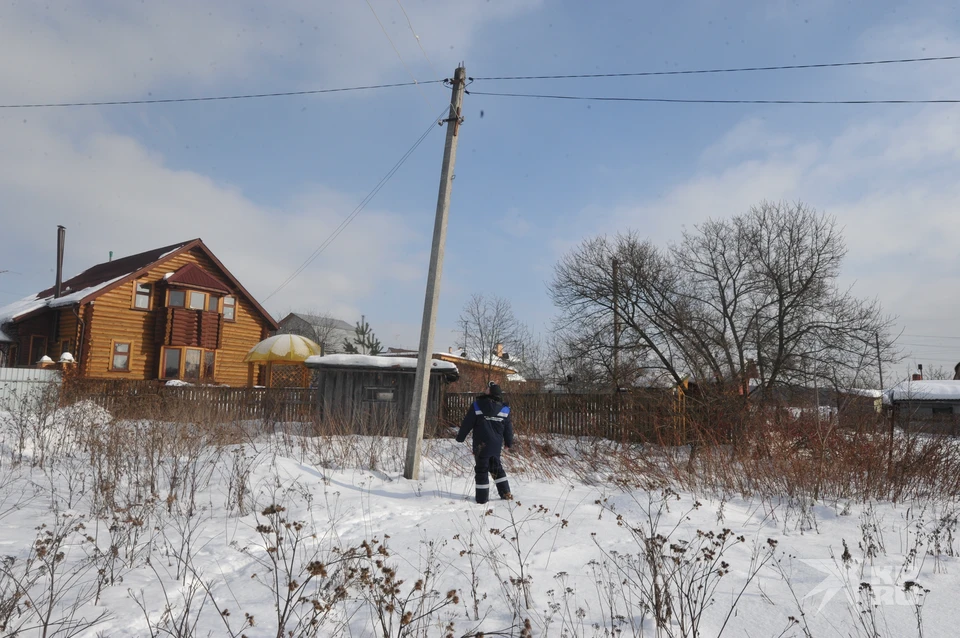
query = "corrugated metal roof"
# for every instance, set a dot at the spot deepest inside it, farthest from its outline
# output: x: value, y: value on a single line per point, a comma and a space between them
x: 194, y: 276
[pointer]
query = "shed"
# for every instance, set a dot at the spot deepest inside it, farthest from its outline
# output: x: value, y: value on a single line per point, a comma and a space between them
x: 372, y: 395
x: 928, y: 406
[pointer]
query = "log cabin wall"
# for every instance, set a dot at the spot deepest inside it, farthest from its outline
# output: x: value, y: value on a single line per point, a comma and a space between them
x: 36, y: 337
x: 116, y: 319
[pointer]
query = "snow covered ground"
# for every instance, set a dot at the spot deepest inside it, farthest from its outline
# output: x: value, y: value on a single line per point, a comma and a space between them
x: 153, y: 529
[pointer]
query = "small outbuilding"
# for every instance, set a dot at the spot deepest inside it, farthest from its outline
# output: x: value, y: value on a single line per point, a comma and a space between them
x: 372, y: 395
x: 925, y: 406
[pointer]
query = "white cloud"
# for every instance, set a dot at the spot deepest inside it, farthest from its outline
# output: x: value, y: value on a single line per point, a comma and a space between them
x: 889, y: 179
x: 73, y: 167
x: 114, y: 194
x: 114, y: 48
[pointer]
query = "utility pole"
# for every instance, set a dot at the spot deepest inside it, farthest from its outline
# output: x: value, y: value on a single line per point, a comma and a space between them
x: 418, y: 408
x: 879, y: 361
x: 616, y: 325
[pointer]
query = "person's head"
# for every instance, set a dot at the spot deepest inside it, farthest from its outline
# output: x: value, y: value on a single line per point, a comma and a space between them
x: 494, y: 391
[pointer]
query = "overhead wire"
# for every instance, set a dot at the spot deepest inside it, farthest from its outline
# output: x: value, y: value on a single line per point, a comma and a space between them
x: 418, y: 83
x: 606, y: 98
x: 397, y: 51
x: 213, y: 98
x: 417, y: 38
x: 363, y: 204
x: 781, y: 67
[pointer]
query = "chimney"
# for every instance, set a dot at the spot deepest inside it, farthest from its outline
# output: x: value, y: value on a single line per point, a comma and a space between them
x: 919, y: 374
x: 61, y: 238
x: 450, y: 350
x: 500, y: 350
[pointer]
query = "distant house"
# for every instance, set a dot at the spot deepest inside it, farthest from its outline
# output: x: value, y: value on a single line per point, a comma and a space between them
x: 174, y: 312
x: 373, y: 394
x: 330, y: 333
x: 927, y: 406
x: 473, y: 375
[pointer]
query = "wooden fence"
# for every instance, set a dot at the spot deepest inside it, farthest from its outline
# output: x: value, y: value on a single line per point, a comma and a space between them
x: 150, y: 399
x: 619, y: 417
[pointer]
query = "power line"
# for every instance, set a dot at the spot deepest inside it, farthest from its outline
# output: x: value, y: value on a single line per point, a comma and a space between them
x: 397, y: 51
x: 363, y: 204
x: 604, y: 98
x: 417, y: 38
x: 213, y: 98
x: 783, y: 67
x: 930, y: 336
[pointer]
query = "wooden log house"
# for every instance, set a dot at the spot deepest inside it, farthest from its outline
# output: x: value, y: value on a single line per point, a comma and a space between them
x: 174, y: 312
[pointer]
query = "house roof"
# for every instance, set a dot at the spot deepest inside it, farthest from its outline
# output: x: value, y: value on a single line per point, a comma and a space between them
x: 318, y: 320
x: 372, y: 362
x: 923, y: 391
x: 498, y: 364
x: 193, y: 276
x: 102, y: 278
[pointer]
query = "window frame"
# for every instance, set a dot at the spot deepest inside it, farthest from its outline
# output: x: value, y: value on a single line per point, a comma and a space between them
x: 114, y: 354
x: 233, y: 305
x: 171, y: 292
x: 376, y: 394
x: 32, y: 359
x: 65, y: 346
x: 13, y: 355
x: 137, y: 294
x: 189, y: 300
x: 163, y: 363
x: 182, y: 364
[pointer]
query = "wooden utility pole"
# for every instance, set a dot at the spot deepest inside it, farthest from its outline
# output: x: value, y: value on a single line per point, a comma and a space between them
x: 616, y: 325
x: 879, y: 360
x: 418, y: 409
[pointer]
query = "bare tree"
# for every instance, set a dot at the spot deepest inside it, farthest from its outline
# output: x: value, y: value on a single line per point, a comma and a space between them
x: 760, y: 286
x: 489, y: 329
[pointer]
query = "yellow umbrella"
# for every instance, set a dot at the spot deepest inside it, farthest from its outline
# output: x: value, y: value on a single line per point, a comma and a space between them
x: 283, y: 347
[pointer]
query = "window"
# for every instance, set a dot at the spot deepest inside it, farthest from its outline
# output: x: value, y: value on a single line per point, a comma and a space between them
x: 66, y: 346
x: 942, y: 410
x: 38, y: 349
x: 379, y: 395
x: 230, y: 308
x: 213, y: 303
x: 171, y: 363
x: 198, y: 300
x: 176, y: 298
x: 209, y: 364
x: 141, y: 295
x: 191, y: 364
x: 188, y: 364
x: 120, y: 361
x: 14, y: 354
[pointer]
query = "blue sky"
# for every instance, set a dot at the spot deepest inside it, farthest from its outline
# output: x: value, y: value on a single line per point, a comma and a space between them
x: 264, y: 182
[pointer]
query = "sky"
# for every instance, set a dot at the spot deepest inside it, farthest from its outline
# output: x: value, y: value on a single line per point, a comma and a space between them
x: 264, y: 182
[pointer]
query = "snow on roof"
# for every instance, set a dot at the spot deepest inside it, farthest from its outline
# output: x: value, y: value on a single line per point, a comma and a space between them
x: 25, y: 306
x: 369, y: 361
x: 864, y: 392
x: 923, y: 391
x: 4, y: 337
